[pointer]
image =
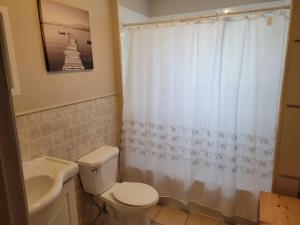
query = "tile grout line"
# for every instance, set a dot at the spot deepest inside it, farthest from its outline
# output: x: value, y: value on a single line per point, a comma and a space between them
x: 221, y: 222
x: 187, y: 218
x: 155, y: 223
x: 154, y: 218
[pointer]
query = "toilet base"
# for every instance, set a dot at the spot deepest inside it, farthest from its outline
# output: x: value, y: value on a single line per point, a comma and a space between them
x: 127, y: 215
x: 118, y: 218
x: 133, y: 220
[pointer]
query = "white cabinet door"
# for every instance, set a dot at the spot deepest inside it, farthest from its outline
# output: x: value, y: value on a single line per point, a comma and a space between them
x: 62, y: 215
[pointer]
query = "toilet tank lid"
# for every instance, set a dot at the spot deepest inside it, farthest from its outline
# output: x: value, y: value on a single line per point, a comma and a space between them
x: 99, y: 156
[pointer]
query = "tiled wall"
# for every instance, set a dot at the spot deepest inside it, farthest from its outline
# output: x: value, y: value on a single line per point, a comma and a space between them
x: 70, y: 132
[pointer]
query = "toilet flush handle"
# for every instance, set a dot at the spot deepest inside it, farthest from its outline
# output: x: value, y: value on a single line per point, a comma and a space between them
x: 94, y: 171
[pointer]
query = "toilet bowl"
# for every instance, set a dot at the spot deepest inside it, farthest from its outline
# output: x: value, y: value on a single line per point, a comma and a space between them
x: 133, y: 200
x: 98, y: 173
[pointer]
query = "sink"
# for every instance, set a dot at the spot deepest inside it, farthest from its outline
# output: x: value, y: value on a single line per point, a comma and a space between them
x: 37, y: 187
x: 44, y: 179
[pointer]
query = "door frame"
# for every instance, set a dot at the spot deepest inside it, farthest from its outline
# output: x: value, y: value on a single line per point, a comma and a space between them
x: 13, y: 203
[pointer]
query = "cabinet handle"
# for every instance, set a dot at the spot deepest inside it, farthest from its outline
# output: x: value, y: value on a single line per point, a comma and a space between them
x: 297, y: 40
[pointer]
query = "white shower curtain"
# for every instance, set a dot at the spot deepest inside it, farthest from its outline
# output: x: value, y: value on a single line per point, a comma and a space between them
x: 200, y: 109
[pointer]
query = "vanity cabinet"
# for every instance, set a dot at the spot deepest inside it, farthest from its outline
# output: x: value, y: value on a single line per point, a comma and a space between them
x: 62, y: 211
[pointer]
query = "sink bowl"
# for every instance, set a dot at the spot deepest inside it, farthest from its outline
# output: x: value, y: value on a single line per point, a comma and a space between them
x: 44, y: 178
x: 37, y: 187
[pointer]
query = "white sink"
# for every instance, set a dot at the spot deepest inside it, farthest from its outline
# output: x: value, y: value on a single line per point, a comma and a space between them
x: 44, y: 178
x: 37, y: 187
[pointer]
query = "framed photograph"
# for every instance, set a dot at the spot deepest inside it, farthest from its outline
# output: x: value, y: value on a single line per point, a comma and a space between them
x: 66, y: 37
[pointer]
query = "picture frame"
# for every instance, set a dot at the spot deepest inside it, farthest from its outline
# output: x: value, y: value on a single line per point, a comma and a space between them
x: 66, y: 37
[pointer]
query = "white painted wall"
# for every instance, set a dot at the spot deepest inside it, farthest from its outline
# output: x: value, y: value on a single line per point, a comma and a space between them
x: 139, y: 6
x: 170, y: 7
x: 43, y: 90
x: 130, y: 16
x: 263, y: 5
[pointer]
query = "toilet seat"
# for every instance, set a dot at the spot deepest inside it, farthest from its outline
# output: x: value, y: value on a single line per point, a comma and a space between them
x: 135, y: 194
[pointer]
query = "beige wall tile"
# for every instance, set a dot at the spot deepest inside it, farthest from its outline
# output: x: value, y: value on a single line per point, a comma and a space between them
x: 33, y: 133
x: 23, y: 137
x: 46, y: 129
x: 57, y: 125
x: 70, y: 131
x: 20, y: 122
x: 33, y: 119
x: 35, y: 149
x: 25, y: 153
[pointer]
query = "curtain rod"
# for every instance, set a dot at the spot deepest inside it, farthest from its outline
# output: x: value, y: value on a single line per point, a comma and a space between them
x: 205, y: 17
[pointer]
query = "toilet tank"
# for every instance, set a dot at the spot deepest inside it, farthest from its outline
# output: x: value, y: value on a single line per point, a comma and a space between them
x: 98, y: 169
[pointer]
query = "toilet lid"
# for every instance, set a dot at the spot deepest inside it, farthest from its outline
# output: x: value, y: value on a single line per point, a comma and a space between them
x: 135, y: 194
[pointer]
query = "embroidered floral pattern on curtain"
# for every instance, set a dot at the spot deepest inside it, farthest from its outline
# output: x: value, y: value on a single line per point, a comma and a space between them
x: 200, y: 109
x: 205, y: 148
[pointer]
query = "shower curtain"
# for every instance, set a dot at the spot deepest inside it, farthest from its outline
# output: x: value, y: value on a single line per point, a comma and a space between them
x: 200, y: 110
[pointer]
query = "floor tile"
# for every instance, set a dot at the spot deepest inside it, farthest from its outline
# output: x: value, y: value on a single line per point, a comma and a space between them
x: 195, y: 219
x: 153, y: 213
x: 171, y: 216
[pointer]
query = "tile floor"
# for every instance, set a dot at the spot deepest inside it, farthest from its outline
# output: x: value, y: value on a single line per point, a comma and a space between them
x: 162, y: 215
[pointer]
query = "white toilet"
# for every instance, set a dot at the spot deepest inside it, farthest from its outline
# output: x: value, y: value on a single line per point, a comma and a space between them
x: 98, y: 173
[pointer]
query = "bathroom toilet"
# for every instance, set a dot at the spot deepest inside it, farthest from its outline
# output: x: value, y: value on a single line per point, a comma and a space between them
x: 98, y: 173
